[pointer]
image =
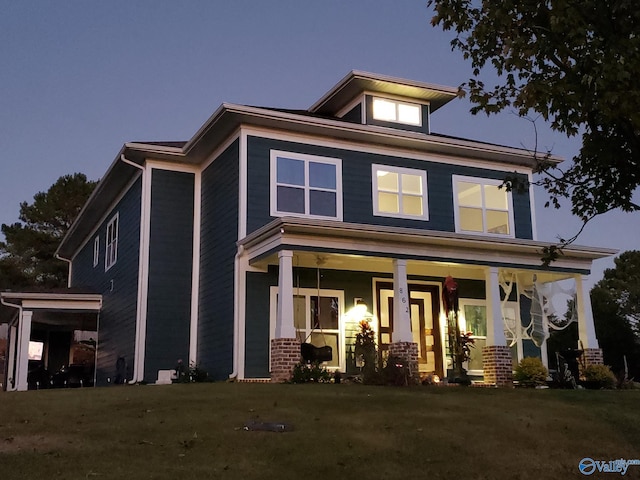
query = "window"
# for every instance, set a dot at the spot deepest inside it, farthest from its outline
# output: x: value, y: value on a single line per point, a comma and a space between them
x: 399, y: 192
x: 399, y: 112
x: 482, y: 207
x: 306, y: 185
x: 111, y: 251
x: 96, y: 251
x: 473, y: 318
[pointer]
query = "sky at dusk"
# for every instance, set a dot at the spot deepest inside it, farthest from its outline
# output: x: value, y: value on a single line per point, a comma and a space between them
x: 78, y: 79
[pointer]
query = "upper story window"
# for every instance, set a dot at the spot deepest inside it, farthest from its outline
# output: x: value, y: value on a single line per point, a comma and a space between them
x: 111, y: 251
x: 482, y: 207
x: 306, y: 185
x: 396, y: 111
x: 399, y: 192
x: 96, y: 251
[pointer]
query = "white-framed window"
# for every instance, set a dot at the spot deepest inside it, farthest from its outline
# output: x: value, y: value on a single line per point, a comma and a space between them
x: 388, y: 110
x: 482, y: 207
x: 96, y: 251
x: 111, y: 243
x: 399, y: 192
x: 473, y: 318
x: 317, y: 321
x: 306, y: 185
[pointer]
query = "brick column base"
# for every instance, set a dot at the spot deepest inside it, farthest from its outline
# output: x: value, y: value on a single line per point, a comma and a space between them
x: 497, y: 365
x: 407, y: 351
x: 593, y: 356
x: 285, y: 354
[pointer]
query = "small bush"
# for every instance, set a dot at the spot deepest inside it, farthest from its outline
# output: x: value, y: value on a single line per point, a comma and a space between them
x: 600, y: 376
x: 312, y: 372
x: 530, y: 372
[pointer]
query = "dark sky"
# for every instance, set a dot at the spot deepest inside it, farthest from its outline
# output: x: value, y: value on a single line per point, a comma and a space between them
x: 78, y: 79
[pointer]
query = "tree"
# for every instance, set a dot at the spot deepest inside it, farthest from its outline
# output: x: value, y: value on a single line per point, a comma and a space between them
x: 27, y: 256
x: 615, y: 302
x: 575, y: 64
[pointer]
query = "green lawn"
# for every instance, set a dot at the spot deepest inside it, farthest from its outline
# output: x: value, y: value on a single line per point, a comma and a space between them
x: 340, y: 431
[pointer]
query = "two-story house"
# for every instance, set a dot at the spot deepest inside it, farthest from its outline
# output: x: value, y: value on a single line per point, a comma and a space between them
x: 270, y: 228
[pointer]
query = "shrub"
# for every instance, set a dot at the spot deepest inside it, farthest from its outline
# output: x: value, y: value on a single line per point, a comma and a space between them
x: 530, y: 372
x: 599, y: 376
x: 313, y: 372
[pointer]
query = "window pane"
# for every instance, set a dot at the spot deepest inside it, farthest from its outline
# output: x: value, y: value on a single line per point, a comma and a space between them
x: 469, y: 194
x: 387, y: 181
x: 412, y: 184
x: 475, y: 363
x: 471, y: 219
x: 388, y: 202
x: 476, y: 318
x: 290, y: 171
x: 384, y: 110
x: 322, y: 203
x: 291, y: 199
x: 409, y: 114
x: 495, y: 198
x: 411, y: 205
x: 330, y: 339
x: 322, y: 175
x: 326, y: 314
x: 299, y: 312
x: 497, y: 222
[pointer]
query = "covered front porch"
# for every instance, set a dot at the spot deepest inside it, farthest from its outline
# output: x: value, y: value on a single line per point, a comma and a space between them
x: 321, y: 274
x: 49, y: 333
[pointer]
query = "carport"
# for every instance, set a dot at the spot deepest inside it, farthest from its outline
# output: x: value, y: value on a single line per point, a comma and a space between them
x: 48, y: 322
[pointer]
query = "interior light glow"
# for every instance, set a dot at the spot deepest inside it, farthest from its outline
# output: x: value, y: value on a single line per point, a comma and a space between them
x: 409, y: 114
x: 384, y: 110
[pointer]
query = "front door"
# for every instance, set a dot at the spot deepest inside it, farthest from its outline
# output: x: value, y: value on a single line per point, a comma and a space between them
x: 425, y: 314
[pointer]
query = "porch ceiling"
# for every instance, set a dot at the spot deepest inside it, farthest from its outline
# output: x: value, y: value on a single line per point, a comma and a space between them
x: 348, y: 246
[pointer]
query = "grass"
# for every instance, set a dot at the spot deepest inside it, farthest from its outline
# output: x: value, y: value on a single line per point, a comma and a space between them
x: 196, y: 432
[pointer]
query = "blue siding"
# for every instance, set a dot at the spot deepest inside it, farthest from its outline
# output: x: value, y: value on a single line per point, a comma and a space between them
x: 118, y: 286
x: 219, y: 233
x: 354, y: 115
x: 170, y: 271
x: 356, y: 187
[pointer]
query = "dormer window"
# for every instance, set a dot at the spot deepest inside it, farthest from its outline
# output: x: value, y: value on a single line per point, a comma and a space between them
x: 399, y: 112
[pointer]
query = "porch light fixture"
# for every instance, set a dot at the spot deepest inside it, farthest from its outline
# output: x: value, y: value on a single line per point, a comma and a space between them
x: 359, y: 311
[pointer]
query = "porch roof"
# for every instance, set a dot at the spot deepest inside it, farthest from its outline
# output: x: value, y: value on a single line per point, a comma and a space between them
x: 55, y: 302
x: 330, y: 236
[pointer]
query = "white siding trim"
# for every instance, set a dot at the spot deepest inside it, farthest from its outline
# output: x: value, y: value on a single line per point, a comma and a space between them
x: 195, y: 269
x: 406, y: 171
x: 532, y: 208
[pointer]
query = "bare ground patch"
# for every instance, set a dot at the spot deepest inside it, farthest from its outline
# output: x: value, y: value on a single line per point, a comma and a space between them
x: 35, y: 443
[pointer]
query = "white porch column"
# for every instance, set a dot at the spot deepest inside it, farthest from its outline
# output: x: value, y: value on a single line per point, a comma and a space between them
x: 401, y: 305
x: 11, y: 359
x: 495, y: 327
x: 284, y: 319
x: 24, y: 335
x: 586, y: 329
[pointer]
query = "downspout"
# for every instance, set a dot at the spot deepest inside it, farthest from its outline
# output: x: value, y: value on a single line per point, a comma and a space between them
x: 19, y: 307
x: 69, y: 270
x: 140, y: 330
x: 236, y: 314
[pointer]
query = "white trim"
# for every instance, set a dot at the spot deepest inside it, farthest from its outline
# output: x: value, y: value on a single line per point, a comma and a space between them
x: 307, y: 159
x: 482, y: 182
x: 400, y: 171
x: 171, y: 167
x: 532, y: 208
x: 397, y: 104
x: 195, y: 269
x: 311, y: 292
x: 243, y: 185
x: 360, y: 99
x: 220, y: 149
x: 111, y: 244
x: 96, y: 251
x: 323, y: 141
